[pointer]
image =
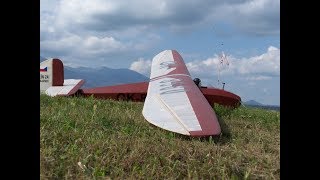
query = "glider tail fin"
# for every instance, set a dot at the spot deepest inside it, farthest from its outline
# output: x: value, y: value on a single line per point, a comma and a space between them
x: 51, y: 73
x: 52, y: 80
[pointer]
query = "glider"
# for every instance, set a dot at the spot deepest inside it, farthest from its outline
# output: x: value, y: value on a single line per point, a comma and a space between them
x: 172, y: 100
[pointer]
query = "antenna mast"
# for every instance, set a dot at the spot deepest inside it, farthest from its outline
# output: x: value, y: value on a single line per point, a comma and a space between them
x: 222, y: 59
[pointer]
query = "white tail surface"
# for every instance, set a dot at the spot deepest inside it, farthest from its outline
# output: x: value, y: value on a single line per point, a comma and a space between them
x: 52, y: 80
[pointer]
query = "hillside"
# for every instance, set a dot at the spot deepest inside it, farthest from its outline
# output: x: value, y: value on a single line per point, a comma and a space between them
x: 252, y: 103
x: 103, y: 76
x: 255, y: 104
x: 42, y: 58
x: 89, y: 138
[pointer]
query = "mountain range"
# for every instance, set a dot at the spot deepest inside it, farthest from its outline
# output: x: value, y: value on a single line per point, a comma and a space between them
x: 102, y: 76
x: 253, y: 103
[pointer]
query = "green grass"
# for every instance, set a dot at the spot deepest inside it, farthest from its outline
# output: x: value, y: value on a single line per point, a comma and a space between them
x: 87, y: 138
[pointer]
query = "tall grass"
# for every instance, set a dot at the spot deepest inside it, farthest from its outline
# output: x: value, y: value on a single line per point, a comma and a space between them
x: 87, y: 138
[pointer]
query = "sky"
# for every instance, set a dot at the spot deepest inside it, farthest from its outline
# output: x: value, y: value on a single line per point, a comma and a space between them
x: 128, y: 34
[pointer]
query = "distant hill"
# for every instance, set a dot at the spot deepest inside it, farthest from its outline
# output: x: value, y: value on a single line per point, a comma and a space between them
x: 42, y: 58
x: 253, y: 103
x: 104, y: 76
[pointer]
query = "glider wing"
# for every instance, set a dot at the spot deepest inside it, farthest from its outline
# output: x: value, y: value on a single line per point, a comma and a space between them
x: 174, y: 102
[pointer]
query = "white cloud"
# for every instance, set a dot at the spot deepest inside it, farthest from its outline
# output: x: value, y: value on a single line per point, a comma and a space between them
x: 258, y: 78
x: 86, y: 46
x: 259, y: 17
x: 259, y: 67
x: 141, y: 66
x: 267, y: 63
x: 265, y: 90
x: 79, y: 29
x: 253, y: 16
x: 107, y: 15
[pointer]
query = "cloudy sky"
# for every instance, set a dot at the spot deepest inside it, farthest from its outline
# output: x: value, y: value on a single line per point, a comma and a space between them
x: 128, y: 34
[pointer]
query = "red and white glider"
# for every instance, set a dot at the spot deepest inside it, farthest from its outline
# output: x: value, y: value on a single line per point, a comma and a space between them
x: 174, y: 102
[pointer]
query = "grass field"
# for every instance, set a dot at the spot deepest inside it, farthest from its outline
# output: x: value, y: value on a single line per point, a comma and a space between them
x: 87, y: 138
